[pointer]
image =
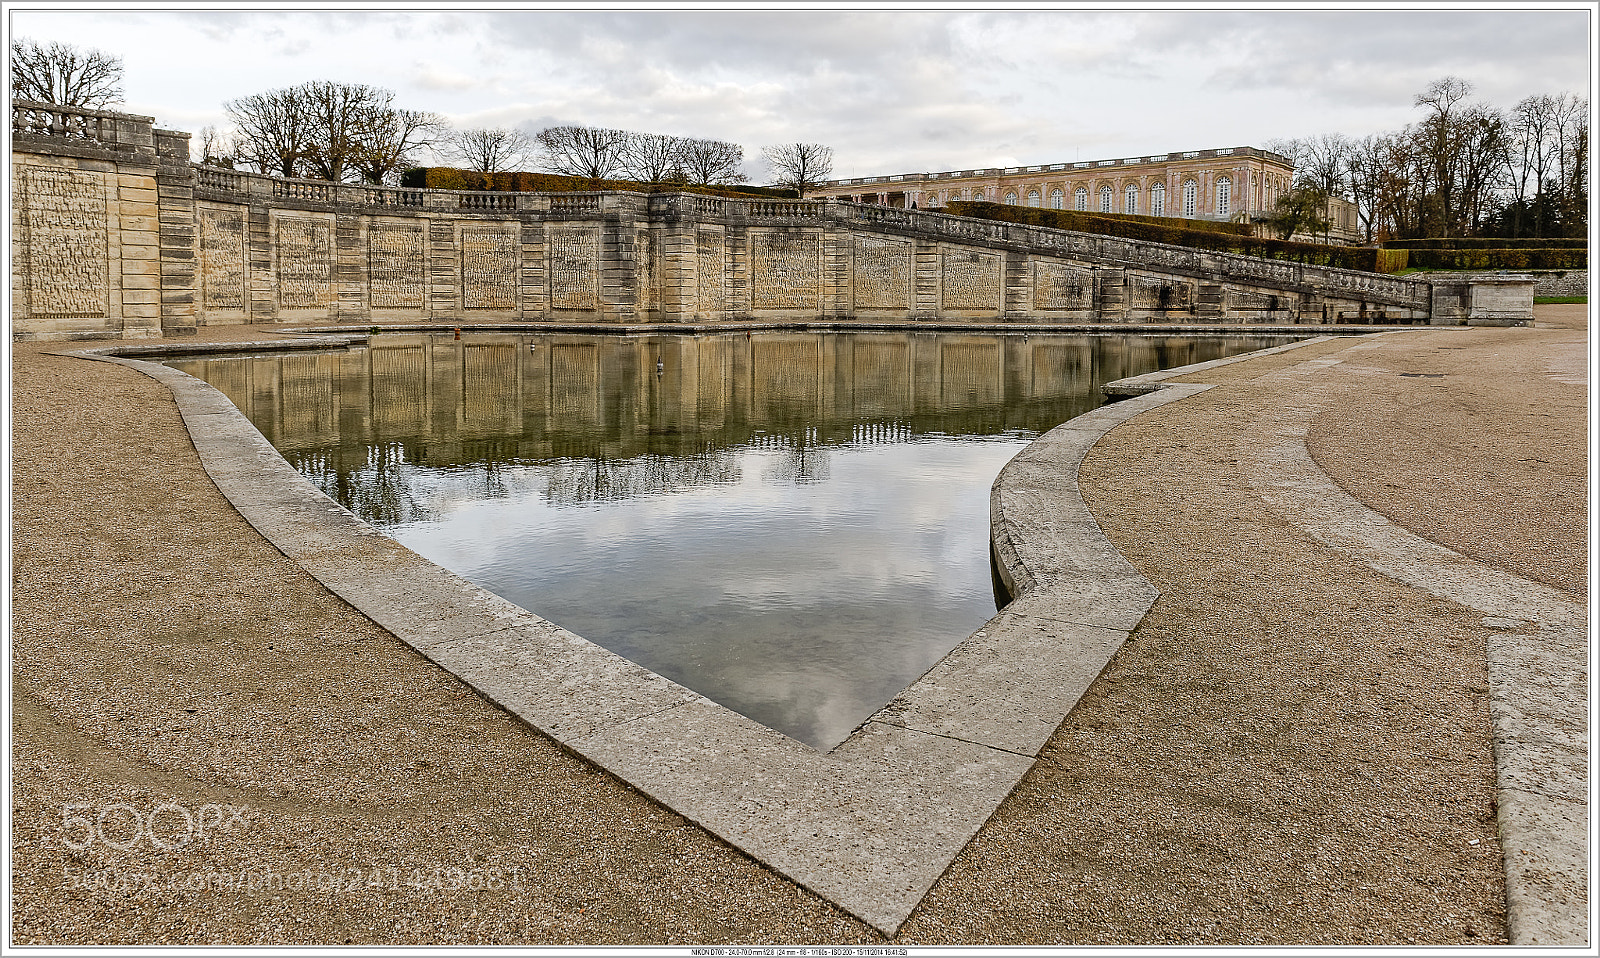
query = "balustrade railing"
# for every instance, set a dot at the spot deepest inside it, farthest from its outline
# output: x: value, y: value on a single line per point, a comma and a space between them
x: 29, y: 118
x: 384, y: 196
x: 575, y: 203
x: 487, y: 201
x: 301, y: 190
x: 212, y: 178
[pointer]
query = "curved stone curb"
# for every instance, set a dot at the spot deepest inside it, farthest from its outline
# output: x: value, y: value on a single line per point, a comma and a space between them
x: 1538, y: 665
x: 869, y: 826
x: 1152, y: 381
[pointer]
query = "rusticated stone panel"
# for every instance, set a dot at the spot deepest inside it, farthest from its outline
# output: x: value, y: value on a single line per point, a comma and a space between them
x: 883, y: 273
x: 1057, y: 286
x: 1250, y: 299
x: 222, y: 258
x: 574, y: 268
x: 971, y: 280
x: 305, y: 262
x: 395, y: 266
x: 785, y: 270
x: 711, y: 272
x: 1147, y: 292
x: 66, y: 234
x: 488, y: 268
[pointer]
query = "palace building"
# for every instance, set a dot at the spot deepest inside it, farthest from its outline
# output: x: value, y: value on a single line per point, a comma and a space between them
x: 1240, y: 184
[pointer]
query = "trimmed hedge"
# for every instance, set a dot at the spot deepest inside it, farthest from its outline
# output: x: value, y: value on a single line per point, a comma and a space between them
x: 1084, y: 222
x: 448, y: 178
x: 1152, y: 229
x: 1485, y: 242
x: 1498, y: 258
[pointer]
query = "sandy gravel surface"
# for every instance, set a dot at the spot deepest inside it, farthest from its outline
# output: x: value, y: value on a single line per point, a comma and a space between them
x: 1292, y: 749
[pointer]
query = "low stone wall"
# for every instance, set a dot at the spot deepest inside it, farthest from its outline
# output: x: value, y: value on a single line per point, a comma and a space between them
x: 1560, y: 282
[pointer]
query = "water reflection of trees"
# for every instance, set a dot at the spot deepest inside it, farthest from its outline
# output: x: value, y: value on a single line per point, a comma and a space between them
x: 613, y: 423
x: 578, y: 481
x: 379, y: 490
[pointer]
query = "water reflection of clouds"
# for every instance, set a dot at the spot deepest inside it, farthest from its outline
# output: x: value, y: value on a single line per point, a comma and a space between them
x: 806, y: 606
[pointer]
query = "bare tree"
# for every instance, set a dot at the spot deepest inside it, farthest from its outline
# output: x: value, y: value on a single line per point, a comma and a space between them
x: 1324, y: 162
x: 338, y: 116
x: 711, y: 162
x: 271, y: 130
x: 216, y: 148
x: 333, y: 131
x: 390, y: 140
x: 1439, y: 135
x: 496, y: 150
x: 64, y: 75
x: 799, y: 166
x: 651, y: 157
x: 594, y: 152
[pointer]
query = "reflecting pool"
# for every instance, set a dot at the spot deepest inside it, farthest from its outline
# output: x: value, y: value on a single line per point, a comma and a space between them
x: 794, y: 524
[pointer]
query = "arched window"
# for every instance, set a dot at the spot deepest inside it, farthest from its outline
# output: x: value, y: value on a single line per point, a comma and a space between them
x: 977, y: 196
x: 1080, y: 199
x: 1224, y: 195
x: 1158, y: 200
x: 1057, y: 199
x: 1033, y: 197
x: 1130, y: 199
x: 1011, y: 198
x: 1105, y: 199
x: 1191, y: 196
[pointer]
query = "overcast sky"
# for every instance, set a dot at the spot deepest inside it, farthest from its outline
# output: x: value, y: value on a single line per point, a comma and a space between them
x: 892, y: 91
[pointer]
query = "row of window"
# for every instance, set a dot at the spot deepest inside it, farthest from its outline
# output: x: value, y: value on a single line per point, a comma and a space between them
x: 1157, y: 206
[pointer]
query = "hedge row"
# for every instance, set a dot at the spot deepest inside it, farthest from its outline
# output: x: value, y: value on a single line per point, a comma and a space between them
x: 448, y: 178
x: 1141, y: 228
x: 1487, y: 242
x: 1085, y: 222
x: 1498, y: 258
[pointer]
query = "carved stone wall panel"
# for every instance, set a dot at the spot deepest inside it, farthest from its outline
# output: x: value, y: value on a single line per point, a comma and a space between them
x: 66, y: 231
x: 1058, y: 286
x: 396, y: 266
x: 305, y: 262
x: 883, y: 273
x: 971, y: 280
x: 488, y: 268
x: 1250, y: 299
x: 222, y: 257
x: 711, y: 272
x: 785, y: 270
x: 574, y: 268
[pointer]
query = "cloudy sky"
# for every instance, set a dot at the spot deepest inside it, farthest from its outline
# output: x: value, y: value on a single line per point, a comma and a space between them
x: 891, y: 90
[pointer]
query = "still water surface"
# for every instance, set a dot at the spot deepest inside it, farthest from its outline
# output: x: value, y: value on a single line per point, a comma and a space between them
x: 793, y: 524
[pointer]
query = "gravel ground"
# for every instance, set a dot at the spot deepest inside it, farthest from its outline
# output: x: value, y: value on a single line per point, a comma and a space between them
x: 1292, y: 749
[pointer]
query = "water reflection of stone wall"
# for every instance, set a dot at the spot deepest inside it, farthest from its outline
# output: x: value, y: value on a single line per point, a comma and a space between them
x: 489, y: 399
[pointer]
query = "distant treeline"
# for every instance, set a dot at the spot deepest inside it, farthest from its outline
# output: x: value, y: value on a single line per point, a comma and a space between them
x: 450, y: 178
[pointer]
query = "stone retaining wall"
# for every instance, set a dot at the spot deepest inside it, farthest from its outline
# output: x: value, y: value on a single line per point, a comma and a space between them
x: 1560, y: 282
x: 119, y: 236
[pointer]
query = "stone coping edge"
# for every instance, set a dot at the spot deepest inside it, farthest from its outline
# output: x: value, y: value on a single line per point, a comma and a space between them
x: 869, y: 826
x: 1151, y: 381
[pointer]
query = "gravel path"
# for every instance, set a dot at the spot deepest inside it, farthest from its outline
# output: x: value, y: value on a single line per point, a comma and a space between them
x: 1292, y: 749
